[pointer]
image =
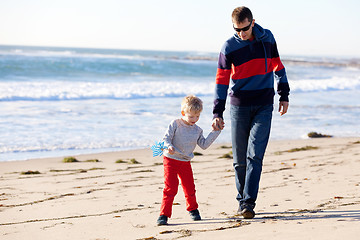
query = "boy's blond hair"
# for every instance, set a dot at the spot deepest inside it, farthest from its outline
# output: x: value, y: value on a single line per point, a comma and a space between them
x: 191, y: 103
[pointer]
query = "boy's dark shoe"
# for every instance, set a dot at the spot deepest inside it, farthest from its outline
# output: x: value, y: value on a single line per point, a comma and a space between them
x: 162, y: 220
x: 246, y: 211
x: 195, y: 215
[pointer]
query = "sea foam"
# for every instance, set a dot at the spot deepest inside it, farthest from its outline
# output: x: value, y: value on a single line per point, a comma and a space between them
x: 80, y: 90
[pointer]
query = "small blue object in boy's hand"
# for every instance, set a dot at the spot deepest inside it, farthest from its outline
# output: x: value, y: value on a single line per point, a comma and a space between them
x: 158, y: 149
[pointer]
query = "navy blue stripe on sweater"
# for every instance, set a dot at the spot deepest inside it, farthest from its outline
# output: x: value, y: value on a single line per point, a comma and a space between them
x: 254, y: 83
x: 250, y: 52
x: 254, y: 98
x: 221, y: 91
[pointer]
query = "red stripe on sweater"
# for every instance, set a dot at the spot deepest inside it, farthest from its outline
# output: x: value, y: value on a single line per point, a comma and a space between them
x: 223, y: 76
x: 276, y: 64
x: 256, y: 67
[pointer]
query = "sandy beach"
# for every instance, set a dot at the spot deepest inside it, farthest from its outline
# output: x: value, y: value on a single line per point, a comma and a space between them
x: 310, y: 189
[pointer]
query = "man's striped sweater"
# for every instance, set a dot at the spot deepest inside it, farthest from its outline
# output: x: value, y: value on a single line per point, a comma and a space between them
x: 251, y: 65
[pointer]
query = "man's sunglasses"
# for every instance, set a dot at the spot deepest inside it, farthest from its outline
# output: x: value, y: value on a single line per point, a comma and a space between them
x: 243, y: 29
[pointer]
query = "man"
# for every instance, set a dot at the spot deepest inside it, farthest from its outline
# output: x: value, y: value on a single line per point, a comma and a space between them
x: 251, y: 60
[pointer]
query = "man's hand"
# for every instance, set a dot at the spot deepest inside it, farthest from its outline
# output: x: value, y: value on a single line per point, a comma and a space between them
x: 283, y: 107
x: 218, y: 124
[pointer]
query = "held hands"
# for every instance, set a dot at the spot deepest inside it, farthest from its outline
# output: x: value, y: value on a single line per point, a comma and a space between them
x: 283, y: 107
x: 218, y: 124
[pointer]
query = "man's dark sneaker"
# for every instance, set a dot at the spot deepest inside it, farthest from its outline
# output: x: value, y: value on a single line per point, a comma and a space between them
x: 162, y: 220
x: 247, y: 212
x: 195, y: 215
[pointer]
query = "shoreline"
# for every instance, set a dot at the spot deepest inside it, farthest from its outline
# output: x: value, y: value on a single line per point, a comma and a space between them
x: 93, y: 152
x: 308, y: 186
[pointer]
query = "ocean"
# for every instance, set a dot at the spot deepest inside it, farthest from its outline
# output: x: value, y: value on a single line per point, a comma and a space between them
x: 69, y: 101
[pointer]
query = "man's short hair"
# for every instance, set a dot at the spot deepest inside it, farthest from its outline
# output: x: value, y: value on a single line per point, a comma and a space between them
x: 191, y: 103
x: 240, y: 14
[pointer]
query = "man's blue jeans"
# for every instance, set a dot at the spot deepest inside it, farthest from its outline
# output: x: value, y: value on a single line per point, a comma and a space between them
x: 250, y: 130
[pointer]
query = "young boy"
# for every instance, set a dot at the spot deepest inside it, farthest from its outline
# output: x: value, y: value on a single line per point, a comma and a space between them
x: 181, y: 138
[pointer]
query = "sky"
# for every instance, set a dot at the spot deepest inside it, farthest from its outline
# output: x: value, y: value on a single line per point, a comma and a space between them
x: 306, y: 28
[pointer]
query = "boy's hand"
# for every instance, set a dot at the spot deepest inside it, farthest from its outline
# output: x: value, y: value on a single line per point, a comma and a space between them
x: 171, y: 150
x: 218, y: 124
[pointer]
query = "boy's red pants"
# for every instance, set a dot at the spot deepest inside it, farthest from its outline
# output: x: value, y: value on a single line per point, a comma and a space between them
x: 172, y: 169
